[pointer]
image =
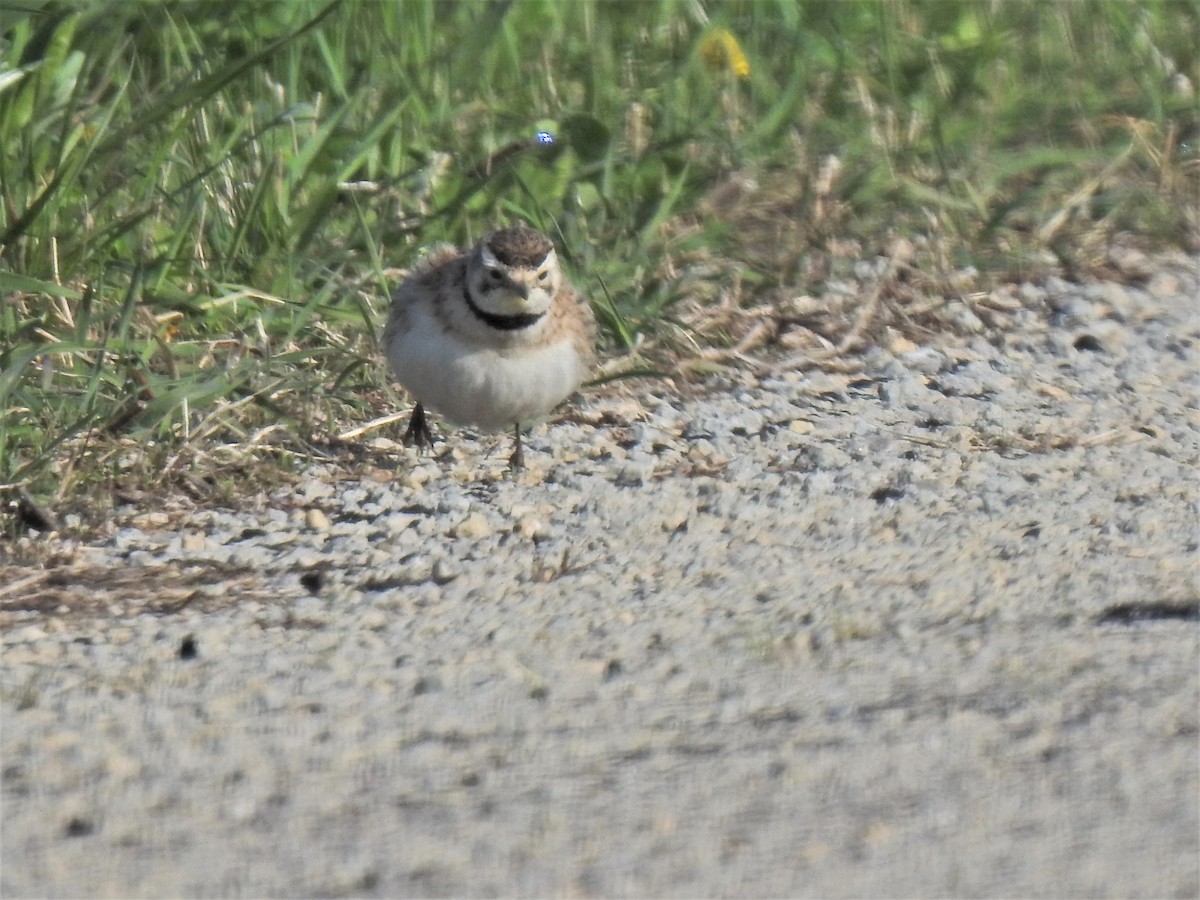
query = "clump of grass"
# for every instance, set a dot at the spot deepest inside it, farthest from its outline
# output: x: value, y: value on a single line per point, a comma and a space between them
x: 203, y: 206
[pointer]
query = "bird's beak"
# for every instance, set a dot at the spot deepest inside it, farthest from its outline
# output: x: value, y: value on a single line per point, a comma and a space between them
x: 515, y: 299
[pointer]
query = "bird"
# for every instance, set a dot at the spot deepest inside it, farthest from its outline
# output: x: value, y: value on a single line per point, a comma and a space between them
x: 490, y: 337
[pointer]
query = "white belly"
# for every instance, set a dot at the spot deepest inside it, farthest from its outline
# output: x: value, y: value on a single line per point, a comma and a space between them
x: 486, y: 388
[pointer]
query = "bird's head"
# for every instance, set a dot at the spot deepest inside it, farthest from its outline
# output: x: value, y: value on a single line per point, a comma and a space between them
x: 513, y: 273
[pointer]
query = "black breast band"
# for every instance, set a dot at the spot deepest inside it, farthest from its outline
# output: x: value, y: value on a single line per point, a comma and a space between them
x: 501, y: 323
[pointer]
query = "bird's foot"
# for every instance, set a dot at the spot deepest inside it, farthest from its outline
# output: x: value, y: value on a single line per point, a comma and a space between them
x: 418, y: 432
x: 516, y: 462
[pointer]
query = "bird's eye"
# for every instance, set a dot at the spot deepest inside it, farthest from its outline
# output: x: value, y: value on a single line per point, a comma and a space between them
x: 494, y: 274
x: 543, y: 275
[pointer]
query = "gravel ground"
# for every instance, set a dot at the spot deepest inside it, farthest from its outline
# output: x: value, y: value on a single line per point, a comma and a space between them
x: 930, y: 628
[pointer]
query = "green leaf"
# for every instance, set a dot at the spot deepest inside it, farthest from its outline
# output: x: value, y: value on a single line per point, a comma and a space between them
x: 10, y: 281
x: 587, y: 136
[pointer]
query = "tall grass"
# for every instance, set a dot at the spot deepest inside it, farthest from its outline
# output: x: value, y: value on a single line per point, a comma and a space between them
x: 204, y: 205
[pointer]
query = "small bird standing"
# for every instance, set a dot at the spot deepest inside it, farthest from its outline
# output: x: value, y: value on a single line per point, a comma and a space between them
x: 489, y: 338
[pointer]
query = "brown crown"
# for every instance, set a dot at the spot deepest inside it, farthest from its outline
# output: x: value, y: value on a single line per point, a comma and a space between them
x: 519, y: 246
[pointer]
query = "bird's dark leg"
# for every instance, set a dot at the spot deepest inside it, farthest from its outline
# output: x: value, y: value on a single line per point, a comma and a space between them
x: 418, y: 429
x: 517, y: 460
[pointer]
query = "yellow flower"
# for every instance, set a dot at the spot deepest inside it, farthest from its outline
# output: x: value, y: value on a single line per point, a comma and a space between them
x: 721, y: 52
